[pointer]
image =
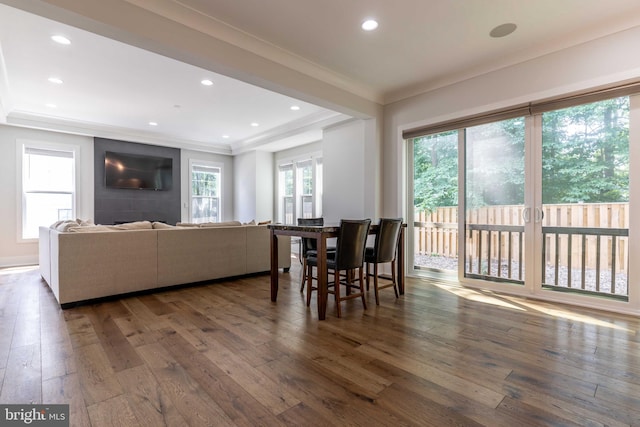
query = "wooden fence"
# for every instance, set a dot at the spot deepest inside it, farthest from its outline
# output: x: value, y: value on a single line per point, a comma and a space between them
x: 436, y: 233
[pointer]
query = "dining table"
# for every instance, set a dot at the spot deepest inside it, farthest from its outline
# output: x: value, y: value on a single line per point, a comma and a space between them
x: 321, y: 233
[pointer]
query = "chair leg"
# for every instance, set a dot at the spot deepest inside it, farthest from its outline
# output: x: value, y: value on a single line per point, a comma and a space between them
x: 393, y: 277
x: 375, y: 282
x: 364, y: 303
x: 309, y: 284
x: 304, y: 274
x: 367, y: 274
x: 336, y: 290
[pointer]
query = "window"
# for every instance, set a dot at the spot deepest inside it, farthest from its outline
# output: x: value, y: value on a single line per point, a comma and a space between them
x: 299, y: 190
x: 305, y: 184
x: 48, y: 189
x: 206, y: 184
x: 286, y: 189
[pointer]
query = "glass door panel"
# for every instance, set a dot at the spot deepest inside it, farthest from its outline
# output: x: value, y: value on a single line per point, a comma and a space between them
x: 435, y: 202
x: 494, y: 201
x: 585, y: 198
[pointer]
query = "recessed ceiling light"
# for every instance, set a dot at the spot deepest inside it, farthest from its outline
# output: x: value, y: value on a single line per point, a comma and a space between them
x: 503, y: 30
x: 52, y: 105
x: 55, y: 80
x: 254, y: 124
x: 295, y: 107
x: 153, y: 124
x: 370, y: 25
x: 61, y: 39
x: 206, y: 82
x: 225, y: 136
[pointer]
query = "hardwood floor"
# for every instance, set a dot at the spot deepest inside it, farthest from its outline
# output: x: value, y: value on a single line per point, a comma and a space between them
x: 223, y: 354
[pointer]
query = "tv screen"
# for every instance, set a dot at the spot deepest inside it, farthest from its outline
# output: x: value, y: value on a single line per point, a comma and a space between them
x: 137, y: 171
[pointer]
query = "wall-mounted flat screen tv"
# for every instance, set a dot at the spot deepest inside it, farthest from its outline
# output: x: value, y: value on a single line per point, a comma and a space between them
x: 123, y: 170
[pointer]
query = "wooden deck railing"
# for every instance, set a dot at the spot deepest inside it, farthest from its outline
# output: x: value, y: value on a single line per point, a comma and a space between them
x: 585, y: 246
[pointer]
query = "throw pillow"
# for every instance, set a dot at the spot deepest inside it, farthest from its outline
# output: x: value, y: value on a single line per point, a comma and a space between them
x: 65, y: 225
x: 137, y: 225
x: 161, y: 225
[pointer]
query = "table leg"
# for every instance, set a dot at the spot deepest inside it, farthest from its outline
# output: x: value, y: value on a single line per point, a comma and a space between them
x: 322, y: 277
x: 401, y: 262
x: 274, y: 266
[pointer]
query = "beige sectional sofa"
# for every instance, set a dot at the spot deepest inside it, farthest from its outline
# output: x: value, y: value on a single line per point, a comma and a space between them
x: 81, y: 266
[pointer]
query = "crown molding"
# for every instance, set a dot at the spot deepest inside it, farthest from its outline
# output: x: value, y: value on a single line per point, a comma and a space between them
x: 54, y: 124
x: 304, y: 128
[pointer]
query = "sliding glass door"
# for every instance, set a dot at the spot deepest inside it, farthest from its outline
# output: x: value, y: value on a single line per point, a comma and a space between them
x: 543, y: 202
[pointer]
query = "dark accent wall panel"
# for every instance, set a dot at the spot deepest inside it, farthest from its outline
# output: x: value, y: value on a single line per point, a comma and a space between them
x: 116, y: 205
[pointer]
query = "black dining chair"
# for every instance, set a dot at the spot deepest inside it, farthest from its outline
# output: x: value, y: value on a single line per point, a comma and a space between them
x: 349, y: 256
x: 384, y: 251
x: 309, y: 247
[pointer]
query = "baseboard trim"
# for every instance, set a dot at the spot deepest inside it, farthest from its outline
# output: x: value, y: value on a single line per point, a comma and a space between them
x: 18, y: 261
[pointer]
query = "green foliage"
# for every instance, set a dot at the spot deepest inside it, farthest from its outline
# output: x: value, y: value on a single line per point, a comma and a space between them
x: 436, y: 171
x: 585, y: 154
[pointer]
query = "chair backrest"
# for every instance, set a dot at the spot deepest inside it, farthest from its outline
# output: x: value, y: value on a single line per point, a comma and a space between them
x: 387, y: 239
x: 309, y: 244
x: 351, y: 244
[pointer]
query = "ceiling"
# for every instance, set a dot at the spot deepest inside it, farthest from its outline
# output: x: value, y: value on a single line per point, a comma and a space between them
x: 114, y: 89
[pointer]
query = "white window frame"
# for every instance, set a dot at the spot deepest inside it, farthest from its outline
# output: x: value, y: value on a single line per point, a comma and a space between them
x: 206, y: 164
x: 295, y: 164
x: 21, y: 147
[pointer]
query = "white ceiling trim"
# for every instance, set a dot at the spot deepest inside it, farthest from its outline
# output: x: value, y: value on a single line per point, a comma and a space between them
x: 30, y: 120
x: 278, y: 138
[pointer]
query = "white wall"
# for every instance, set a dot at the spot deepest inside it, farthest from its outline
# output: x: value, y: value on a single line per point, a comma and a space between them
x: 244, y: 179
x: 607, y: 60
x: 12, y: 252
x: 350, y: 171
x: 253, y: 183
x: 265, y: 183
x: 227, y: 181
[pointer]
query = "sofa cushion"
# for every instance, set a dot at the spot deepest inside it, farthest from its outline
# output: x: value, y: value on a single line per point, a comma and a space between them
x: 91, y: 228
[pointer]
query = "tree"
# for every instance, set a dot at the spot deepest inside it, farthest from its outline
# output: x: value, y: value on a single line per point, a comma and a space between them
x: 436, y: 171
x: 585, y: 153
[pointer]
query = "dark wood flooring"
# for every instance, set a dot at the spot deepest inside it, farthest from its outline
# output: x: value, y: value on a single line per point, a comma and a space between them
x: 223, y: 354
